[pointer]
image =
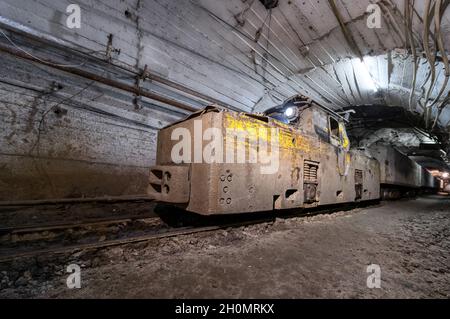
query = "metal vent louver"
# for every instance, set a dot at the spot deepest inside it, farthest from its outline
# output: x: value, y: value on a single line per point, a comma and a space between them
x: 310, y: 170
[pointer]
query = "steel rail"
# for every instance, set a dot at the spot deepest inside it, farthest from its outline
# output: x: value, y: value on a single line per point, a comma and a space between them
x: 128, y: 240
x: 107, y: 199
x: 68, y: 225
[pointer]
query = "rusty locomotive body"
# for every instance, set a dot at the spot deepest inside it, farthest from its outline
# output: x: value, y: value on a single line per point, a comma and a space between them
x: 212, y: 163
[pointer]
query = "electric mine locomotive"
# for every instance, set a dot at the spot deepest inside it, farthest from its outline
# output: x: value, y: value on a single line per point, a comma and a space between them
x: 296, y: 155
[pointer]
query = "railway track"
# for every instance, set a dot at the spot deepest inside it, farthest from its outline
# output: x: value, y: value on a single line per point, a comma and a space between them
x: 157, y: 230
x: 72, y: 225
x: 150, y: 235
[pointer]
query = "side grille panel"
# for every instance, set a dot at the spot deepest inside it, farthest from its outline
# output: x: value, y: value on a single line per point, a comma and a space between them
x: 310, y: 170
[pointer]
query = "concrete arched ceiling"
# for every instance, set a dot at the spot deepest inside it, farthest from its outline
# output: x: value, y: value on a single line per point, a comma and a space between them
x: 326, y: 50
x: 300, y: 46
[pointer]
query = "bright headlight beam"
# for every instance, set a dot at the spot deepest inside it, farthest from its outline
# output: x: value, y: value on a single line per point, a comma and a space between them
x: 289, y: 112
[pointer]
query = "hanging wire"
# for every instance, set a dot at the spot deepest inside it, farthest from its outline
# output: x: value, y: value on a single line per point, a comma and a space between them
x: 53, y: 107
x: 434, y: 11
x: 439, y: 11
x: 34, y: 57
x: 410, y: 37
x: 430, y: 57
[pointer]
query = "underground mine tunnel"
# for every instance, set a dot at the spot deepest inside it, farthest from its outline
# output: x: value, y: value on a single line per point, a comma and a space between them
x: 224, y: 149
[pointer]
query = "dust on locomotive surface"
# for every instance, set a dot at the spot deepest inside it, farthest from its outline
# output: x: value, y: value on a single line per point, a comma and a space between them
x: 218, y: 161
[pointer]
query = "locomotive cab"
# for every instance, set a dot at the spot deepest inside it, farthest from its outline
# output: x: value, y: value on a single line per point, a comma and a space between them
x: 306, y: 116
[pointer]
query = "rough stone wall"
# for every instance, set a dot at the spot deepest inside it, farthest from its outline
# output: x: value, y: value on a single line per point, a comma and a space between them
x: 57, y: 145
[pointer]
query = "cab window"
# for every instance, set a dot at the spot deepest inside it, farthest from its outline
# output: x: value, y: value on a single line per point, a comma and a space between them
x: 334, y: 129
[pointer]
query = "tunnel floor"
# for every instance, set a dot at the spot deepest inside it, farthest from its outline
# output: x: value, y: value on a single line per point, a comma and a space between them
x: 322, y: 256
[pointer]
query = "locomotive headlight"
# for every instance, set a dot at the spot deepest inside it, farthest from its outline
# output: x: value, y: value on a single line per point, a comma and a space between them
x: 289, y: 112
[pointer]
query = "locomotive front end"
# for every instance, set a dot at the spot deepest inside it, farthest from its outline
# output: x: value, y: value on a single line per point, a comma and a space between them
x: 224, y: 162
